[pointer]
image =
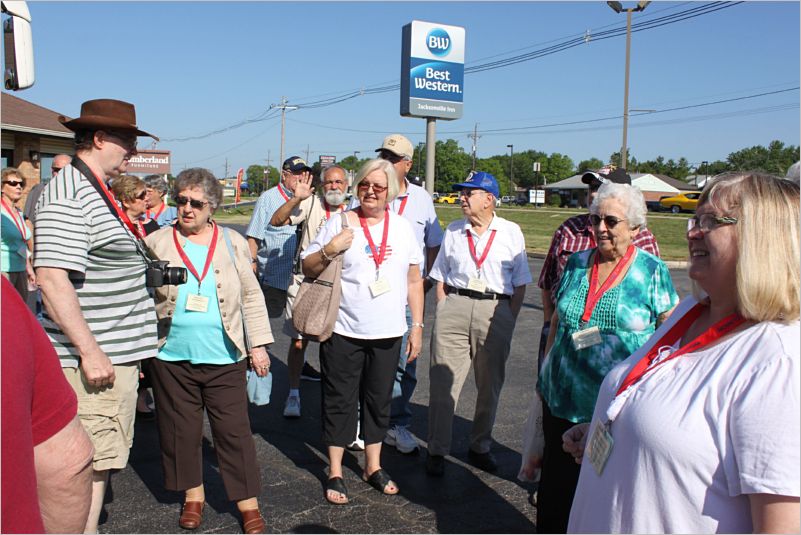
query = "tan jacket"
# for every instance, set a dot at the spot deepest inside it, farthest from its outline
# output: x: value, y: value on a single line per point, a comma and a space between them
x: 231, y: 283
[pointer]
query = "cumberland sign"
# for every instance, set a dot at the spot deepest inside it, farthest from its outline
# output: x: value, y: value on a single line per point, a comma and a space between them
x: 432, y: 70
x: 152, y: 162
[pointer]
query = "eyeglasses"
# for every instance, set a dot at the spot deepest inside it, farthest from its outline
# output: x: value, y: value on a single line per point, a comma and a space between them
x: 128, y: 140
x: 141, y: 195
x: 469, y: 192
x: 364, y: 186
x: 13, y: 183
x: 197, y: 205
x: 610, y: 221
x: 389, y: 156
x: 707, y: 222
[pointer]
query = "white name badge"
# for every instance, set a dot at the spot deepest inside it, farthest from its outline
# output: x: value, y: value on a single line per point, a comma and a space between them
x: 477, y: 285
x: 586, y: 338
x: 197, y: 303
x: 379, y: 287
x: 600, y: 447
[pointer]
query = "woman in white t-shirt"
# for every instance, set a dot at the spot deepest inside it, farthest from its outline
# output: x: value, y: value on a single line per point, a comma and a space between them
x: 380, y: 273
x: 698, y: 431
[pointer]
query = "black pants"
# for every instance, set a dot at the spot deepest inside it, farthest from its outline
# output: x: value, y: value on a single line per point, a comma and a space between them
x: 182, y: 390
x: 558, y: 479
x: 353, y: 370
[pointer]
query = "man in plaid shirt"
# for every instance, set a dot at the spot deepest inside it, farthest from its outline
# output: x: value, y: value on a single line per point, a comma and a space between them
x: 575, y: 235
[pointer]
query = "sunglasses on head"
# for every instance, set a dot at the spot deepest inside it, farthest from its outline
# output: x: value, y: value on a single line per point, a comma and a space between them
x: 197, y: 205
x: 13, y: 183
x: 610, y: 220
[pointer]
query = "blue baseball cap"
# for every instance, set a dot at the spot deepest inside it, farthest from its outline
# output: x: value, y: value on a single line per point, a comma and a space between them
x: 479, y: 180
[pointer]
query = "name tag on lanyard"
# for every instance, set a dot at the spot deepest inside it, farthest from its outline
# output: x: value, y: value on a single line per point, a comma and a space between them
x: 586, y: 338
x: 197, y: 303
x: 600, y: 447
x: 379, y: 286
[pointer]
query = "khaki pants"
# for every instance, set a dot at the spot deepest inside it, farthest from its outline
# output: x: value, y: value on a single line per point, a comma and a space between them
x: 467, y: 332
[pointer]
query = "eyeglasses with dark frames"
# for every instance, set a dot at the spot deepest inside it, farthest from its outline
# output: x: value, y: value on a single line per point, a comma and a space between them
x: 194, y: 203
x: 13, y: 183
x: 708, y: 222
x: 141, y: 195
x: 364, y: 186
x: 610, y: 221
x: 469, y: 192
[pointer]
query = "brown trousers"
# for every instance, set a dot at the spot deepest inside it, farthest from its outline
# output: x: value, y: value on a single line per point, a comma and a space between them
x: 182, y: 390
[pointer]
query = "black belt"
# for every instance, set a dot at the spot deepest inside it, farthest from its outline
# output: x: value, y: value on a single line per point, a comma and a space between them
x: 472, y: 294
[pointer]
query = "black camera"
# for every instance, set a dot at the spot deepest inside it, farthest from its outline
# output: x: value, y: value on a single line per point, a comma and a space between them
x: 158, y: 274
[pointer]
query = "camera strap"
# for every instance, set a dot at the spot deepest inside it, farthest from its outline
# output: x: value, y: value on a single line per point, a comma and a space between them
x: 84, y: 169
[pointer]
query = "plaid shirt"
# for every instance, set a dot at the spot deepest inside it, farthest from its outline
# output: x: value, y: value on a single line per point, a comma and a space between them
x: 575, y: 235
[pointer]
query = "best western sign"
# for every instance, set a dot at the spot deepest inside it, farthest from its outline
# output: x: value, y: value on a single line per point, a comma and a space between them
x: 432, y: 70
x: 152, y: 162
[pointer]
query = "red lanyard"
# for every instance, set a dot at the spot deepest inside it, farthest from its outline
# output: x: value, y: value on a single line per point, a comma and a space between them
x: 125, y: 219
x: 472, y: 245
x: 403, y: 205
x: 377, y: 257
x: 283, y: 193
x: 724, y: 326
x: 141, y: 228
x: 328, y: 210
x: 188, y: 263
x: 151, y: 215
x: 15, y: 217
x: 594, y: 293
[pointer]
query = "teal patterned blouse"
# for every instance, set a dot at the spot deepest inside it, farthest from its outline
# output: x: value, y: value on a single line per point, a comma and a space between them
x: 626, y: 317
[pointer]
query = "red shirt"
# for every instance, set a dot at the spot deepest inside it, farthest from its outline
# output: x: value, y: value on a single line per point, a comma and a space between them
x: 575, y: 235
x: 37, y: 402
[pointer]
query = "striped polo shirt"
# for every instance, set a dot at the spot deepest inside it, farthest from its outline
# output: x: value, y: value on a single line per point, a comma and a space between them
x: 276, y: 255
x: 76, y: 231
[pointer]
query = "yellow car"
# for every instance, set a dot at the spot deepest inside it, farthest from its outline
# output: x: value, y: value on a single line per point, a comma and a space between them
x: 683, y: 201
x: 450, y: 198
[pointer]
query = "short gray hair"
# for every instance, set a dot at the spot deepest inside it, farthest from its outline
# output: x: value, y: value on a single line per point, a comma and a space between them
x: 156, y: 182
x: 327, y: 168
x: 387, y: 168
x: 629, y: 195
x: 203, y: 179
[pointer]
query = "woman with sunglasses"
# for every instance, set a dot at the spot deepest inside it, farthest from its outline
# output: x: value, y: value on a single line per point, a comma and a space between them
x: 380, y: 272
x: 16, y: 244
x: 703, y: 420
x: 202, y: 358
x: 609, y: 302
x: 131, y: 193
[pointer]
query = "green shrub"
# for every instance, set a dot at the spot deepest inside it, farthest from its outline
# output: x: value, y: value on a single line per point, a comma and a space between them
x: 555, y: 200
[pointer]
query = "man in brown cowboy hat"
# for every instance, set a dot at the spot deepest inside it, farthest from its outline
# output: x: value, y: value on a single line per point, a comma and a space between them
x: 98, y: 313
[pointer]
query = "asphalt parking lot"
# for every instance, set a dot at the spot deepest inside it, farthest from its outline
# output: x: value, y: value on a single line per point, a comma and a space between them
x: 292, y: 461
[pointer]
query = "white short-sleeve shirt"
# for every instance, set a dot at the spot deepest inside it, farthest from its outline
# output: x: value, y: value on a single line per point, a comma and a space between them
x: 697, y: 436
x: 360, y: 314
x: 505, y: 267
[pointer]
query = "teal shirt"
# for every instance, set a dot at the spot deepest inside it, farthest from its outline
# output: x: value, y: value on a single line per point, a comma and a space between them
x: 198, y: 337
x: 626, y: 317
x: 13, y: 245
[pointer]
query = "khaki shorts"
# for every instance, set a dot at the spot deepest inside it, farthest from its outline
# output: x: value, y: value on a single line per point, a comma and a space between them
x: 107, y: 414
x: 291, y: 293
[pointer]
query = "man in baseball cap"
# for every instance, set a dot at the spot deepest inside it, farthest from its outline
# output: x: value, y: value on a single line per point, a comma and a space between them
x: 480, y: 180
x: 295, y: 165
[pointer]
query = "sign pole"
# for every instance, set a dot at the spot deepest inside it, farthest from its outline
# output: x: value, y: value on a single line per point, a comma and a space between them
x: 431, y: 151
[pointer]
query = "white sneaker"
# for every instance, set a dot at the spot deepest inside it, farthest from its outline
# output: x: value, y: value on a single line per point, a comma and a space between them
x: 292, y: 407
x: 402, y: 439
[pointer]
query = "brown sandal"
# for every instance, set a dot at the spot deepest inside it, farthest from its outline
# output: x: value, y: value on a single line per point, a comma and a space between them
x: 192, y: 515
x: 252, y: 521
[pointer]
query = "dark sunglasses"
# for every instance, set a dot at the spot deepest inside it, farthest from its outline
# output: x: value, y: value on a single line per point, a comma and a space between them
x: 197, y: 205
x: 364, y: 186
x: 141, y: 196
x: 389, y: 156
x: 610, y: 221
x: 13, y: 183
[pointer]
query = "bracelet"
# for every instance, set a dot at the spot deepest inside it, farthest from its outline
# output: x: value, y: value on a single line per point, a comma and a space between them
x: 417, y: 324
x: 325, y: 256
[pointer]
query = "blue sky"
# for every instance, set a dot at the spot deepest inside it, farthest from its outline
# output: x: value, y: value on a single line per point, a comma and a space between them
x: 195, y: 67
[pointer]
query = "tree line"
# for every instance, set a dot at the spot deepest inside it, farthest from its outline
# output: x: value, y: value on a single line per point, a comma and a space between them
x: 453, y: 164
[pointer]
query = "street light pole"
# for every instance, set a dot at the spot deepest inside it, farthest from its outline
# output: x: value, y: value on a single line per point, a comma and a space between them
x: 618, y: 8
x: 354, y: 162
x: 511, y: 167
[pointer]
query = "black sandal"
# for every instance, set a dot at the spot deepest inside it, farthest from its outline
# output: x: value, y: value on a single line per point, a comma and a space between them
x: 336, y: 484
x: 380, y: 480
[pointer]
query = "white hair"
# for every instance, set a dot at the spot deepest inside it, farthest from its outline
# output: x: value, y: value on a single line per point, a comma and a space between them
x: 629, y: 195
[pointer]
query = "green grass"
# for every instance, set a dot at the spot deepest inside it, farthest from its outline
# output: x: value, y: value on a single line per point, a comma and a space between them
x: 538, y: 225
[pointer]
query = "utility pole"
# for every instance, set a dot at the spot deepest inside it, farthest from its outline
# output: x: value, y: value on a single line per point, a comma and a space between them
x: 474, y: 137
x: 226, y: 169
x: 307, y: 153
x: 283, y: 107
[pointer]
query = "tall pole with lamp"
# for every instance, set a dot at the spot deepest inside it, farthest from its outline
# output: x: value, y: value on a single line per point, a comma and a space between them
x: 618, y: 8
x: 511, y: 167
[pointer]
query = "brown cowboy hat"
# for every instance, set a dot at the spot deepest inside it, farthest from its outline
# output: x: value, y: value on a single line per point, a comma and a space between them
x: 104, y: 113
